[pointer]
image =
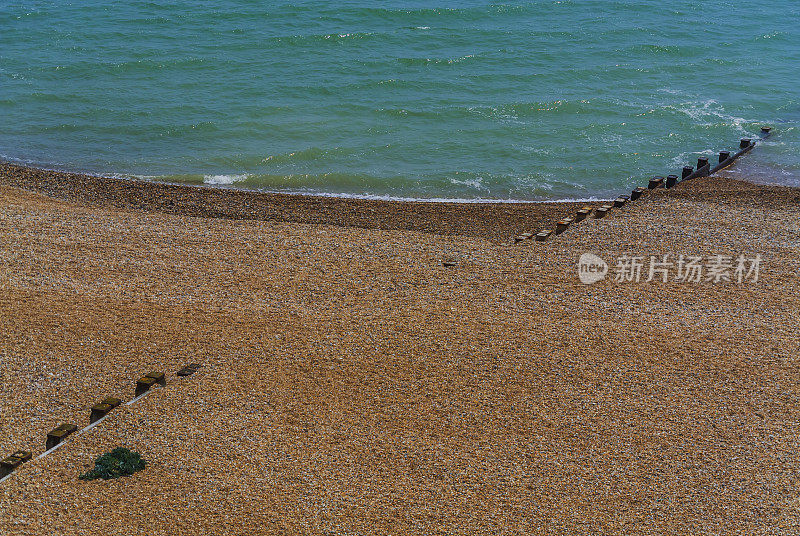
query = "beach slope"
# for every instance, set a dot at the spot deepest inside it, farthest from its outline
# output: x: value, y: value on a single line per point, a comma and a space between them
x: 352, y: 384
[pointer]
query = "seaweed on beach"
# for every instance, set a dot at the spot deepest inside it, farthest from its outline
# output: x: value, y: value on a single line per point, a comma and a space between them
x: 119, y: 462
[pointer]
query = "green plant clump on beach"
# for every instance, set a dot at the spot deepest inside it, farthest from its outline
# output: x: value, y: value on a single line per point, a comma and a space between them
x: 119, y: 462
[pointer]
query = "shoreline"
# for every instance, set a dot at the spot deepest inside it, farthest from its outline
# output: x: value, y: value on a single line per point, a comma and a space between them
x: 232, y: 186
x: 493, y: 220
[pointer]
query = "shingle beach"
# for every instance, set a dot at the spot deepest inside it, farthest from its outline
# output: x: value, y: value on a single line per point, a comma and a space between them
x: 352, y: 384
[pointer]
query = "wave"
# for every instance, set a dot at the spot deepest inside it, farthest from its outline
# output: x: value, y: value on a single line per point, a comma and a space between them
x: 462, y: 186
x: 709, y: 112
x: 508, y: 111
x: 436, y: 61
x: 309, y: 155
x: 652, y: 49
x: 223, y: 179
x: 425, y: 14
x: 313, y: 39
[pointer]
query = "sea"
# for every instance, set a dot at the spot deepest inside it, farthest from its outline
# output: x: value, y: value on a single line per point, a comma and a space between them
x: 436, y: 100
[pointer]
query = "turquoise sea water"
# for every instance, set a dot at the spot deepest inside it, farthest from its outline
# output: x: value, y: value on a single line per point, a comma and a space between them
x: 468, y: 100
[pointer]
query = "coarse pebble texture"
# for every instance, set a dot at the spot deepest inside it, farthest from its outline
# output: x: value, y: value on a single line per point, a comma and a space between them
x: 351, y: 384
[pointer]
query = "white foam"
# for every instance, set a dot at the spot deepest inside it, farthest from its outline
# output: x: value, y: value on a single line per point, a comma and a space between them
x: 478, y: 200
x: 223, y: 179
x: 706, y: 111
x: 477, y: 182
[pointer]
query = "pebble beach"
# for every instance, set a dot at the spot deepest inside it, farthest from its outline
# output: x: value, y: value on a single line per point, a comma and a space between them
x: 351, y: 383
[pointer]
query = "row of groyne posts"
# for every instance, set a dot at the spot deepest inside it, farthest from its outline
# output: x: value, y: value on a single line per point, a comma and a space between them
x: 704, y: 169
x: 99, y: 411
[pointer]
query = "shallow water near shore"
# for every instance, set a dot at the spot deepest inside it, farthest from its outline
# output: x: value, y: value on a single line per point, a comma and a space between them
x: 464, y: 100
